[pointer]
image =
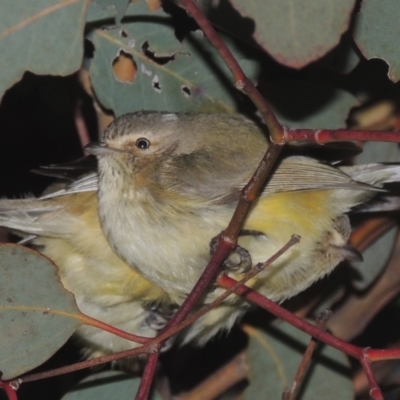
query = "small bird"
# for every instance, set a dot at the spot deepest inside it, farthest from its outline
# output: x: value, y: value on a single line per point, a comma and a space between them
x: 169, y: 183
x: 131, y: 240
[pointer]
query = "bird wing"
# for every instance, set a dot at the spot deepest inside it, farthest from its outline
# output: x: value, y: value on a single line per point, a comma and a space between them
x: 303, y: 173
x: 221, y: 182
x: 69, y: 171
x: 87, y: 183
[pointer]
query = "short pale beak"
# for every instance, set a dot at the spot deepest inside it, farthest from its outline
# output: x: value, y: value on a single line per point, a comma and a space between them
x: 99, y: 149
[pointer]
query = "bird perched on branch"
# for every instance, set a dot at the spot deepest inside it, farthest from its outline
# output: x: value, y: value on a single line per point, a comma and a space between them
x: 167, y: 184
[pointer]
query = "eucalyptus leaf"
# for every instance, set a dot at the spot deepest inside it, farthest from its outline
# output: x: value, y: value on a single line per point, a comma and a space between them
x: 118, y: 5
x: 107, y: 385
x: 377, y: 33
x: 296, y: 33
x: 274, y: 357
x: 166, y: 74
x: 41, y: 36
x: 37, y: 315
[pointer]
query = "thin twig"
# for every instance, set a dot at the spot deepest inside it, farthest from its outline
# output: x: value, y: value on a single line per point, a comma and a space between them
x: 241, y: 81
x: 291, y: 393
x: 8, y: 388
x: 374, y: 391
x: 356, y: 352
x: 322, y: 136
x: 81, y: 127
x: 289, y: 317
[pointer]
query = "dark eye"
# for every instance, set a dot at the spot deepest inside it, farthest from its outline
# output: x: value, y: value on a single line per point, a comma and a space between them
x: 143, y: 143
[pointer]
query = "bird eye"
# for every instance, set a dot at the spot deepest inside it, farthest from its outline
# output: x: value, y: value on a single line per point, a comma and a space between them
x: 142, y: 143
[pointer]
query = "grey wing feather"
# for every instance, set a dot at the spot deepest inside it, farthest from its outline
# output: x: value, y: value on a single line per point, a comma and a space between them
x: 223, y: 181
x: 88, y: 183
x: 301, y: 173
x: 374, y: 174
x: 41, y: 216
x: 28, y: 216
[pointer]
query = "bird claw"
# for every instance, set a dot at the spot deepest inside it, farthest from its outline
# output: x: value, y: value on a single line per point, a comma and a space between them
x: 159, y: 315
x: 242, y: 265
x: 245, y: 262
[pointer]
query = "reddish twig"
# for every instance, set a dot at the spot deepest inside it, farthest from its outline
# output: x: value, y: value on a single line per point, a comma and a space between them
x: 353, y: 351
x: 322, y: 136
x: 374, y: 391
x: 9, y: 388
x: 86, y: 364
x: 287, y: 316
x: 241, y: 81
x: 291, y: 393
x: 115, y: 331
x: 81, y: 126
x: 148, y: 375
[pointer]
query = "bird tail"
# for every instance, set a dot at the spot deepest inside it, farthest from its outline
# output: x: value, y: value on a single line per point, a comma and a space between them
x: 374, y: 174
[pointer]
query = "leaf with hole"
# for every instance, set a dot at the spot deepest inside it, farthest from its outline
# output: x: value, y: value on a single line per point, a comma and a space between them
x: 141, y: 65
x: 377, y: 32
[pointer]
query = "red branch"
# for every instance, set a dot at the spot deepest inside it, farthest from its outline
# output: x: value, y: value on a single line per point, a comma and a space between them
x: 322, y: 136
x: 241, y: 81
x: 365, y: 356
x: 115, y: 331
x: 8, y: 388
x: 250, y: 294
x: 374, y: 391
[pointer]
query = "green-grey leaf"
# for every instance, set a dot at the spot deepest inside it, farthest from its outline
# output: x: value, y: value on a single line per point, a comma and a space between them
x: 107, y: 385
x: 96, y: 13
x: 187, y: 72
x: 274, y: 356
x: 37, y: 315
x: 377, y: 32
x: 305, y: 105
x: 41, y: 36
x: 116, y: 7
x: 296, y: 33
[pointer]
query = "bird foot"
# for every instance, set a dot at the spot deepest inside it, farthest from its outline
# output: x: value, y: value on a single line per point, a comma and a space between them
x: 239, y: 260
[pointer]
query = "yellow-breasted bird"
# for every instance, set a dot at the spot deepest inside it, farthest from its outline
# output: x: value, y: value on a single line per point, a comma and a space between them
x: 168, y: 183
